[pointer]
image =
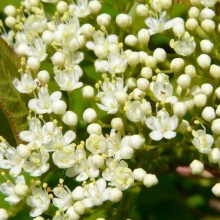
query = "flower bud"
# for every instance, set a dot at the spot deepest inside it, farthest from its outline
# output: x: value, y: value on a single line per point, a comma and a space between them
x: 160, y: 55
x: 150, y: 180
x: 115, y: 195
x: 151, y: 62
x: 216, y: 126
x: 143, y: 36
x: 47, y: 37
x: 215, y: 71
x: 58, y: 59
x: 72, y: 214
x: 216, y: 189
x: 214, y: 155
x: 131, y: 83
x: 143, y: 56
x: 191, y: 24
x: 103, y: 20
x: 133, y: 59
x: 21, y: 190
x: 206, y: 46
x: 146, y: 72
x: 89, y: 115
x: 24, y: 151
x: 145, y: 108
x: 143, y: 84
x: 142, y: 10
x: 200, y: 100
x: 78, y: 193
x: 117, y: 124
x: 190, y: 70
x: 179, y: 29
x: 94, y: 6
x: 193, y: 12
x: 131, y: 40
x: 70, y: 118
x: 10, y: 10
x: 124, y: 21
x: 177, y: 65
x: 139, y: 174
x: 207, y: 89
x: 196, y: 167
x: 218, y: 111
x: 39, y: 218
x: 79, y: 207
x: 184, y: 81
x: 33, y: 63
x: 43, y: 76
x: 10, y: 21
x: 87, y: 30
x: 126, y: 152
x: 166, y: 4
x: 204, y: 61
x: 121, y: 97
x: 88, y: 92
x: 208, y: 114
x: 59, y: 107
x: 62, y: 7
x: 138, y: 94
x: 98, y: 161
x: 208, y: 25
x: 217, y: 92
x: 136, y: 141
x: 4, y: 214
x: 179, y: 109
x: 94, y: 128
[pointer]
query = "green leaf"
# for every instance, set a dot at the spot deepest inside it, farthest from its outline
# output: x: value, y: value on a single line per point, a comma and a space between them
x: 11, y: 103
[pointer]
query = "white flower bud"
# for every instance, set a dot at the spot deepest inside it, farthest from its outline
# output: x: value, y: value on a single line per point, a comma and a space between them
x: 143, y: 36
x: 121, y: 97
x: 124, y: 21
x: 126, y: 152
x: 217, y: 92
x: 88, y: 92
x: 10, y: 10
x: 79, y: 207
x: 207, y: 13
x: 191, y: 24
x: 22, y: 49
x: 136, y: 141
x: 78, y: 193
x: 70, y: 118
x: 151, y: 62
x: 193, y: 12
x: 208, y: 114
x: 143, y: 84
x: 21, y: 190
x: 10, y: 21
x: 150, y: 180
x: 24, y: 151
x: 166, y: 4
x: 182, y: 128
x: 190, y: 70
x: 206, y: 46
x: 190, y: 104
x: 98, y: 161
x: 146, y: 72
x: 139, y: 174
x: 204, y: 61
x: 179, y: 29
x: 33, y: 63
x: 62, y: 7
x: 208, y: 25
x: 196, y: 167
x: 216, y: 189
x: 145, y: 108
x: 184, y: 81
x: 131, y: 40
x: 133, y: 59
x: 59, y: 107
x: 47, y: 37
x: 94, y: 6
x: 160, y: 55
x: 216, y: 126
x: 131, y: 83
x: 3, y: 214
x: 207, y: 89
x: 214, y: 155
x: 142, y: 10
x: 115, y: 195
x: 103, y: 20
x: 51, y: 26
x: 89, y: 115
x: 117, y: 124
x: 87, y: 30
x: 94, y: 128
x: 179, y: 109
x: 177, y: 65
x: 200, y: 100
x: 39, y: 218
x: 58, y: 59
x: 215, y: 71
x: 72, y: 214
x: 43, y: 76
x: 138, y: 94
x: 218, y: 111
x: 143, y: 56
x: 195, y: 2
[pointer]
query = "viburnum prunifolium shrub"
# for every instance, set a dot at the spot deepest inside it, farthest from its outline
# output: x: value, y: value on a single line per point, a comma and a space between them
x: 96, y: 93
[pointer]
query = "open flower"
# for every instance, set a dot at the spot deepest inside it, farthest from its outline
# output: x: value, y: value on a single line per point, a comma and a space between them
x: 162, y: 126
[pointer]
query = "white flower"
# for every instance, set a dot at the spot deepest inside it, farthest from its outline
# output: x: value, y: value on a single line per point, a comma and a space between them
x: 202, y: 141
x: 15, y: 192
x: 133, y: 111
x: 160, y: 23
x: 63, y: 199
x: 42, y: 104
x: 184, y: 46
x: 81, y: 8
x: 208, y: 3
x: 162, y: 125
x: 96, y: 193
x: 96, y: 144
x: 39, y: 200
x: 26, y: 84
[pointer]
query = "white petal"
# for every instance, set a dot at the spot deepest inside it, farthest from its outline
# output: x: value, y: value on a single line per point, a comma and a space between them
x: 169, y: 134
x: 169, y: 24
x: 156, y: 135
x: 55, y: 96
x: 69, y: 136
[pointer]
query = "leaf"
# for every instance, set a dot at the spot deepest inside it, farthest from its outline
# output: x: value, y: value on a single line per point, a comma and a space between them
x: 11, y: 103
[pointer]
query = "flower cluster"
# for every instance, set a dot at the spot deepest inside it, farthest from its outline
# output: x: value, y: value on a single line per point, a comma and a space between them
x: 102, y: 94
